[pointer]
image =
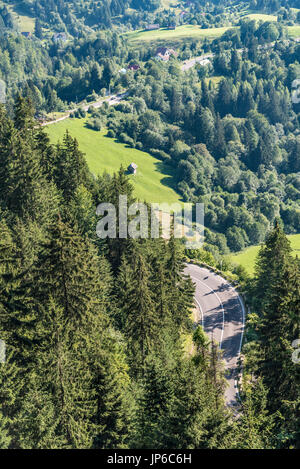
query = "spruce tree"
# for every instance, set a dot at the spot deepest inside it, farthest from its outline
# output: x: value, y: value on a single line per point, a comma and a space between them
x: 25, y: 191
x: 277, y: 290
x: 4, y: 435
x: 69, y: 269
x: 122, y: 290
x: 189, y: 420
x: 60, y: 385
x: 71, y: 169
x: 156, y: 389
x: 272, y: 261
x: 119, y: 185
x: 114, y: 403
x: 181, y: 286
x: 254, y: 428
x: 12, y: 389
x: 141, y: 326
x: 161, y: 289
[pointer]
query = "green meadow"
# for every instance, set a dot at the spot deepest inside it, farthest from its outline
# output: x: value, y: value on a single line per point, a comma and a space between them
x: 154, y: 180
x: 247, y: 257
x: 294, y: 31
x: 25, y: 22
x: 260, y: 17
x: 186, y: 31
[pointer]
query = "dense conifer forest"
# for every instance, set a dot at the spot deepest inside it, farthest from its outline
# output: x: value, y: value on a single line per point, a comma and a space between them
x: 102, y: 350
x: 93, y: 329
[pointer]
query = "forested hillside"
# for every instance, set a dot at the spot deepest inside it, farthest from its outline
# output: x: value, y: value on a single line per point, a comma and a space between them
x: 229, y: 129
x: 103, y: 343
x: 234, y: 145
x: 76, y: 17
x: 93, y: 330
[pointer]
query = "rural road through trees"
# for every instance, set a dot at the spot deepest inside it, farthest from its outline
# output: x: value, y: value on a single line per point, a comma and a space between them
x: 187, y: 64
x: 111, y: 100
x: 222, y: 315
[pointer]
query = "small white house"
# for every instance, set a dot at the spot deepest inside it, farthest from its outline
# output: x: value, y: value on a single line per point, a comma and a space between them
x: 59, y: 37
x: 132, y: 168
x: 203, y: 62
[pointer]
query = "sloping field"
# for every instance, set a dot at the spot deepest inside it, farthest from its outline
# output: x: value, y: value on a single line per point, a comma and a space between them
x: 181, y: 32
x: 154, y: 180
x: 294, y: 31
x: 247, y: 258
x: 25, y: 22
x: 186, y: 32
x: 260, y: 17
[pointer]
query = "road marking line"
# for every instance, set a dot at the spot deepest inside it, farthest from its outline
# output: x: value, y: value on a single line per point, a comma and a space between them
x: 201, y: 311
x: 243, y: 327
x: 223, y: 312
x: 242, y: 335
x: 243, y: 316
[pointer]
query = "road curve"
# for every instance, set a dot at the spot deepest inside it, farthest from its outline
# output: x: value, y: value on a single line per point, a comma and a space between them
x: 223, y: 316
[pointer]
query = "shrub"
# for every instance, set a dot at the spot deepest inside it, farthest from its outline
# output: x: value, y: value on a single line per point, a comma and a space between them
x: 91, y: 97
x: 160, y: 154
x: 124, y: 138
x: 139, y: 146
x: 94, y: 124
x: 111, y: 134
x: 80, y: 113
x: 124, y: 107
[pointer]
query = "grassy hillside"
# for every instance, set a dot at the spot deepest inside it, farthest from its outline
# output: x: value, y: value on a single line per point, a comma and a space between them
x: 169, y: 4
x: 181, y: 32
x: 153, y: 181
x: 260, y: 17
x: 186, y: 32
x: 25, y: 22
x: 247, y: 258
x: 294, y: 31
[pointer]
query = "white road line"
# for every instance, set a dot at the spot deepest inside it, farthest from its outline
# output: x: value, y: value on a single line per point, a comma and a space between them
x: 243, y: 316
x: 223, y: 312
x: 243, y: 322
x: 243, y: 328
x: 242, y: 307
x: 201, y: 311
x: 241, y: 342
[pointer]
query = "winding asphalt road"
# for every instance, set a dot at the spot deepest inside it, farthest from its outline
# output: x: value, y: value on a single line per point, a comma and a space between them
x: 222, y: 315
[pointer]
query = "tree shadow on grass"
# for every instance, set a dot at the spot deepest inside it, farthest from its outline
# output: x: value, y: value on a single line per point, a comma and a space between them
x: 169, y: 180
x: 116, y: 140
x: 87, y: 126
